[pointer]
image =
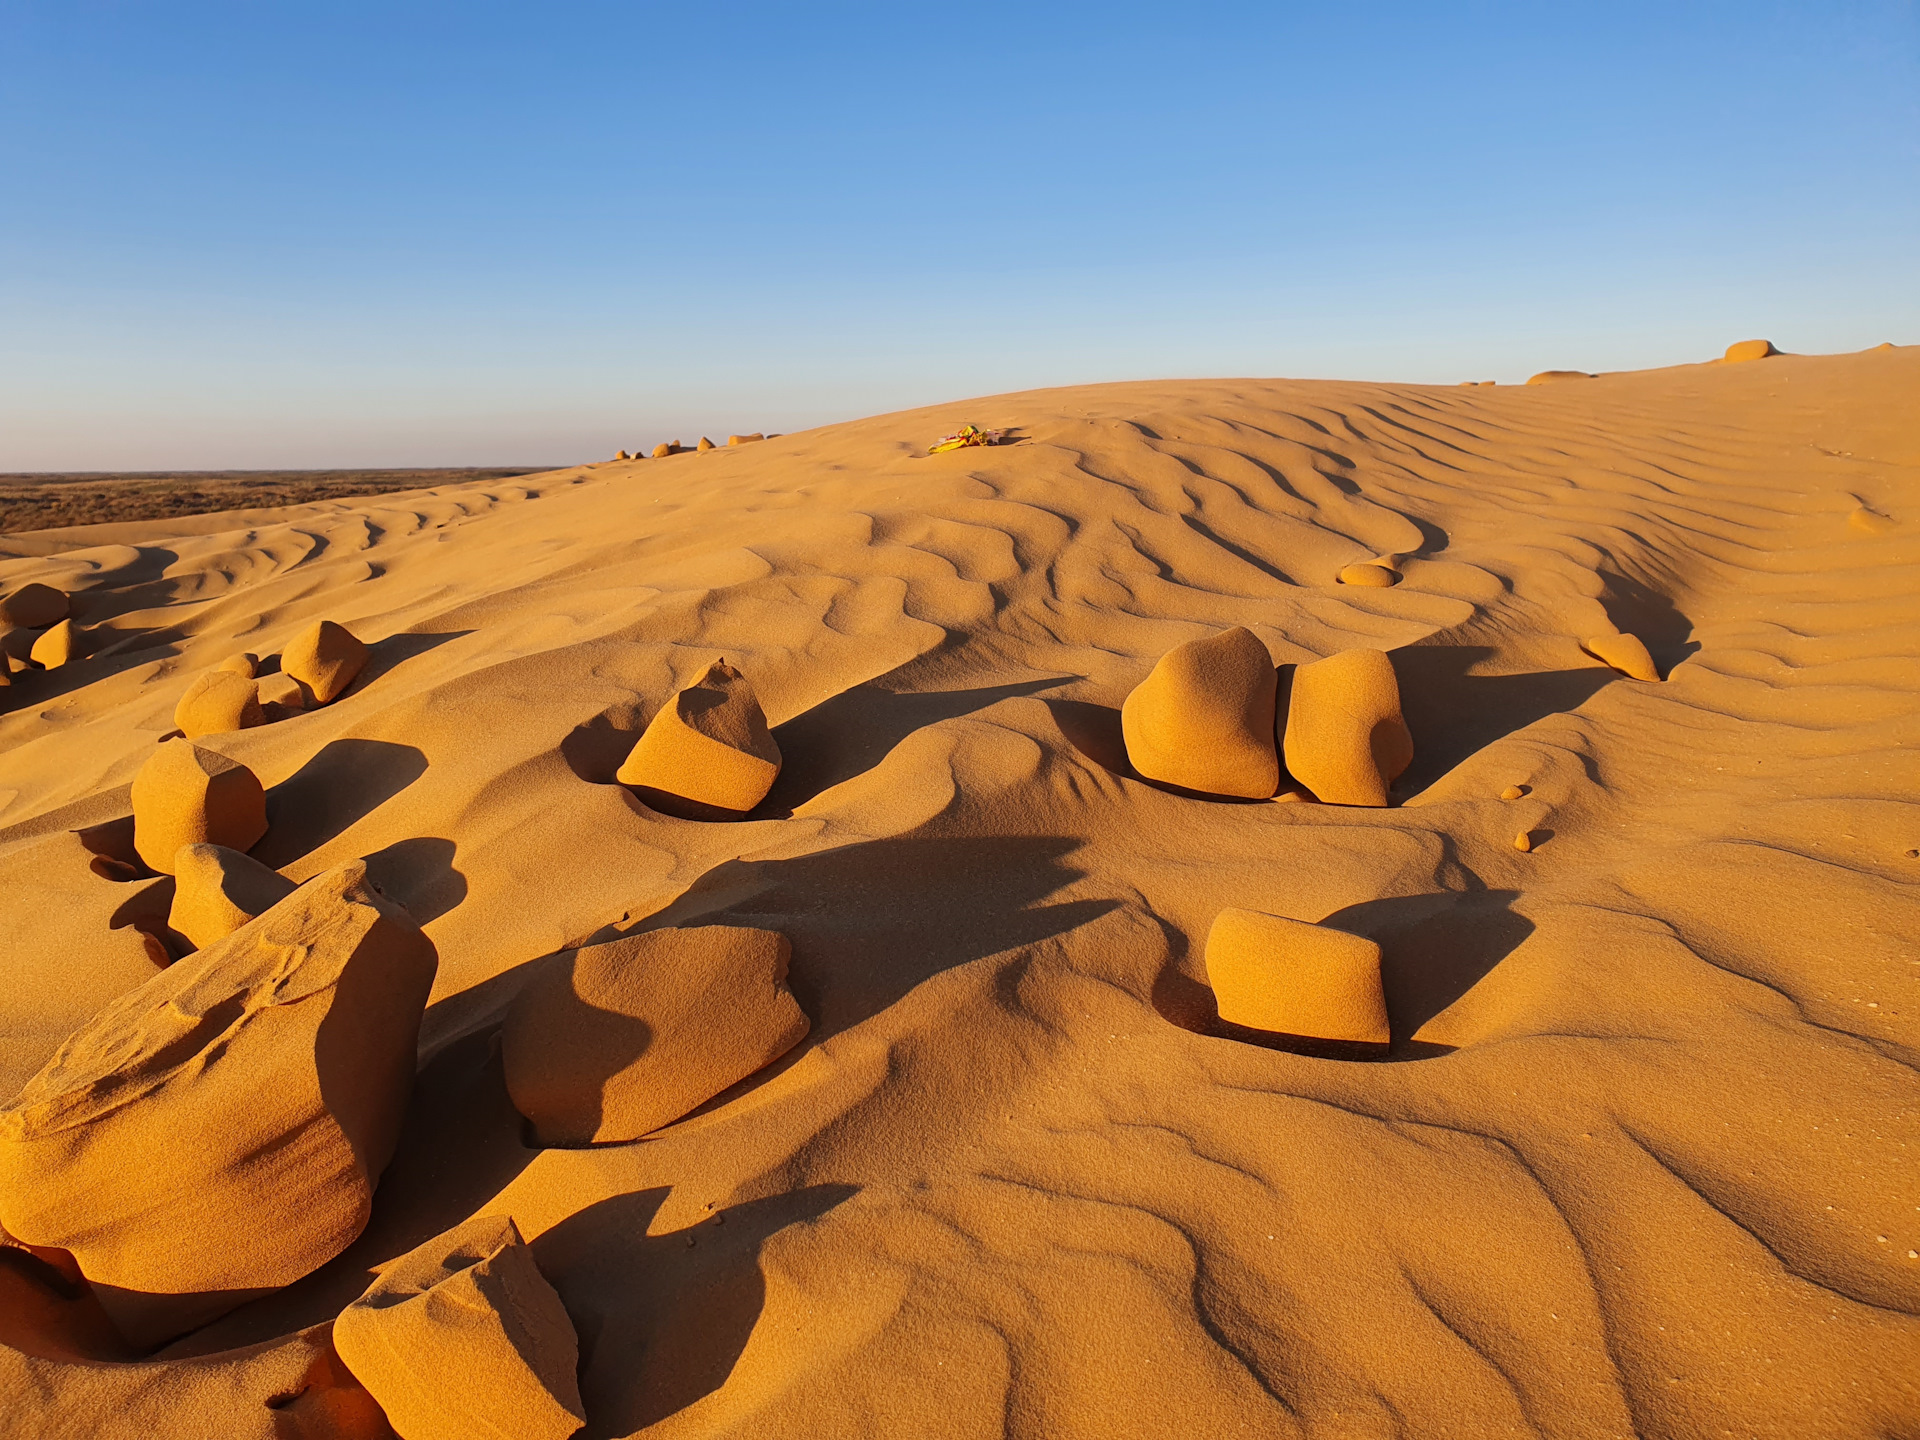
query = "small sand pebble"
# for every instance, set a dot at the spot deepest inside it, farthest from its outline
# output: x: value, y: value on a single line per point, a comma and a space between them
x: 1523, y: 841
x: 666, y: 448
x: 705, y: 444
x: 1368, y: 573
x: 1513, y: 792
x: 621, y: 455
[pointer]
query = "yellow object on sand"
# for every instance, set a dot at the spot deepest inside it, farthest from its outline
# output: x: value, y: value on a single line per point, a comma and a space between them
x: 963, y: 437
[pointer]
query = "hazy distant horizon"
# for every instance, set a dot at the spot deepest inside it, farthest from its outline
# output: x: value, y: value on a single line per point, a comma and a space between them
x: 381, y: 237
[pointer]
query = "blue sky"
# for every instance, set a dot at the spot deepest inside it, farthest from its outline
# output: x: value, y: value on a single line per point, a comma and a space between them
x: 276, y: 234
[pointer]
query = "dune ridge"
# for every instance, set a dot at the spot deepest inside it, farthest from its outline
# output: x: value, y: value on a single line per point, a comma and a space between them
x: 1640, y: 1158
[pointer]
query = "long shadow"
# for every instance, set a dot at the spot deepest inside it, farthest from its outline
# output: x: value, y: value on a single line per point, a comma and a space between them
x: 419, y: 874
x: 854, y: 731
x: 345, y: 781
x: 662, y: 1319
x: 1433, y: 949
x: 1452, y: 714
x: 868, y: 922
x: 388, y: 654
x: 1639, y: 610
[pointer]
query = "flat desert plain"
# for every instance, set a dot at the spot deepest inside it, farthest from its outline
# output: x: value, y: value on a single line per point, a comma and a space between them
x: 1636, y: 1153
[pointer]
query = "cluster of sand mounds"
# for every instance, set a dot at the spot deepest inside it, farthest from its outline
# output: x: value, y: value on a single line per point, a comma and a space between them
x: 1027, y: 1175
x: 219, y: 1130
x: 36, y: 629
x: 612, y: 1041
x: 1211, y: 718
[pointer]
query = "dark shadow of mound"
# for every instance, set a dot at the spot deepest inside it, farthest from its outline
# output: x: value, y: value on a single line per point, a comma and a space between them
x: 346, y: 781
x: 1453, y: 714
x: 596, y: 749
x: 386, y: 655
x: 1637, y: 609
x: 869, y: 922
x: 419, y: 874
x: 662, y: 1321
x: 1433, y: 949
x: 853, y: 732
x: 1094, y: 731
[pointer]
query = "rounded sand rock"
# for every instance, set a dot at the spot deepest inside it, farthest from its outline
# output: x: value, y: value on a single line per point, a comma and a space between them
x: 217, y: 702
x: 612, y: 1041
x: 326, y: 658
x: 464, y: 1339
x: 1550, y: 377
x: 186, y: 795
x: 245, y: 663
x: 705, y: 444
x: 57, y: 646
x: 218, y: 1131
x: 745, y: 439
x: 666, y: 448
x: 1203, y: 718
x: 1291, y: 978
x: 1742, y: 350
x: 217, y: 890
x: 1625, y: 653
x: 1346, y: 740
x: 707, y: 750
x: 1369, y: 573
x: 34, y: 606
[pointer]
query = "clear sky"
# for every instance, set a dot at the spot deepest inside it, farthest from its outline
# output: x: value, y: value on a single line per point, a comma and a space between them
x: 278, y: 234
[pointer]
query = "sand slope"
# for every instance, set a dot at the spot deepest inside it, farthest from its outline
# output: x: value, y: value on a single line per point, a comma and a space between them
x: 1645, y: 1157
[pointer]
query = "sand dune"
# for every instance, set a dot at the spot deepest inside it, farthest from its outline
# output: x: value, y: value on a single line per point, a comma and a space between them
x: 1641, y: 1154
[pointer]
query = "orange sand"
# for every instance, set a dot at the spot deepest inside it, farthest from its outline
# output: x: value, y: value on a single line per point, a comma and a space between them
x: 1642, y: 1157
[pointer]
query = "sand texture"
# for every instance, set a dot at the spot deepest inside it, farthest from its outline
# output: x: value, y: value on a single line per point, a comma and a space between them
x: 1640, y: 1157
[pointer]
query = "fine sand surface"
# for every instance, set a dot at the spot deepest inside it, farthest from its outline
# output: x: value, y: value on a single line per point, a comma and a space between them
x: 1643, y: 1157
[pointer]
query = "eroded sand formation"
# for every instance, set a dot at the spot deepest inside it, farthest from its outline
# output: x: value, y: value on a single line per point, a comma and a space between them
x: 1545, y: 1063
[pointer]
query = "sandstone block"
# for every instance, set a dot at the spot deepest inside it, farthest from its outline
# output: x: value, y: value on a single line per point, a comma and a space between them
x: 709, y: 745
x: 705, y: 444
x: 1289, y: 977
x: 666, y: 448
x: 56, y: 646
x: 1203, y: 718
x: 1625, y: 653
x: 1549, y: 377
x: 464, y: 1339
x: 185, y: 795
x: 745, y: 439
x: 1346, y: 740
x: 246, y: 664
x: 218, y: 1131
x: 1749, y: 350
x: 612, y: 1041
x: 217, y: 890
x: 326, y: 658
x: 218, y: 701
x: 34, y: 606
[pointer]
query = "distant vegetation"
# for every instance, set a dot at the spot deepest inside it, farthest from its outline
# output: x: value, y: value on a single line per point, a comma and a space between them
x: 47, y: 502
